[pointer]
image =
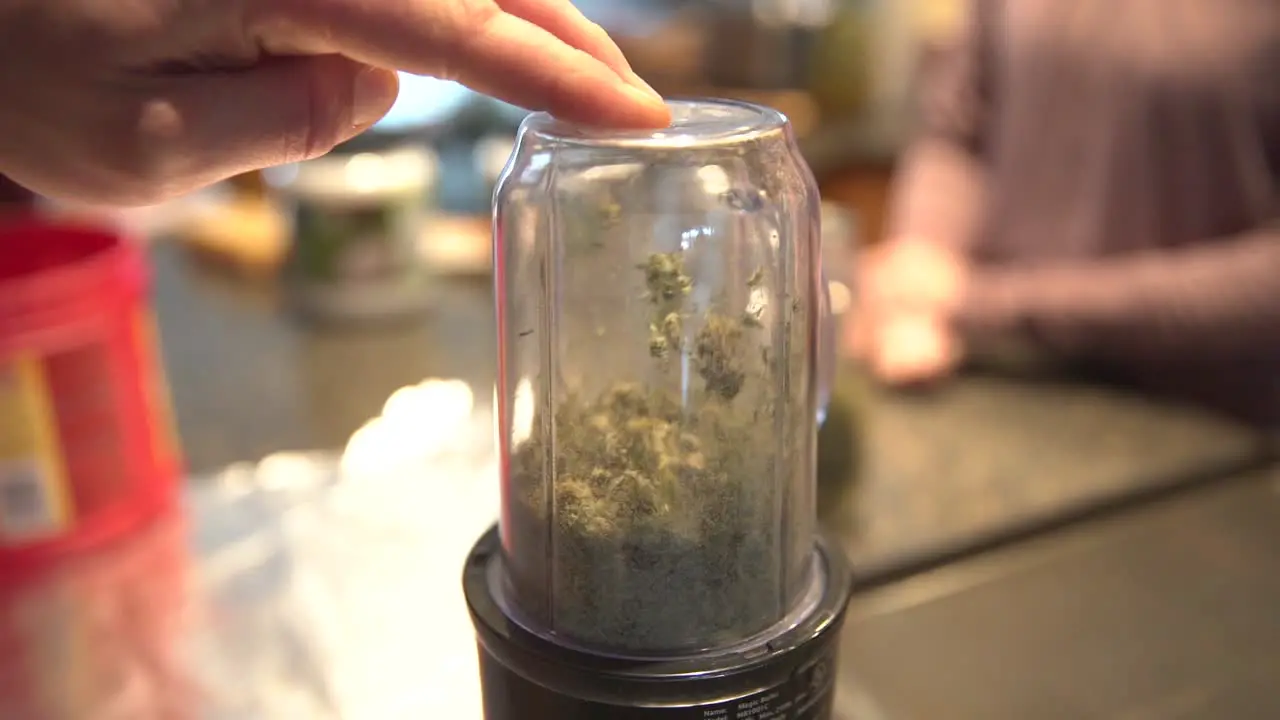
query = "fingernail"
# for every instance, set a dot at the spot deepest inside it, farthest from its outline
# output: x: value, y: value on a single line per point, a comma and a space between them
x: 649, y: 99
x: 638, y: 82
x: 643, y: 95
x: 374, y: 93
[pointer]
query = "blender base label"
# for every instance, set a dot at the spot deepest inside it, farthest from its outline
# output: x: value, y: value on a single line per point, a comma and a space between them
x: 807, y: 696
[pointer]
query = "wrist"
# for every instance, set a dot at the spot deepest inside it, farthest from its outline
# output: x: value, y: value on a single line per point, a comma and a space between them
x: 914, y: 275
x: 994, y: 301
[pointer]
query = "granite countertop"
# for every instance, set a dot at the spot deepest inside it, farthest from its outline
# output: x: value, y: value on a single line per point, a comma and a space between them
x: 996, y: 457
x: 1165, y: 611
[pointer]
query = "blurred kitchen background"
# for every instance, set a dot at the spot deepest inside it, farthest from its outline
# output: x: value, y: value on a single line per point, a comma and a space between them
x: 1012, y: 560
x: 294, y: 302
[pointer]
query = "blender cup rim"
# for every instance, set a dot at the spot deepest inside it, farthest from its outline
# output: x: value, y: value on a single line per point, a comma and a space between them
x: 695, y: 122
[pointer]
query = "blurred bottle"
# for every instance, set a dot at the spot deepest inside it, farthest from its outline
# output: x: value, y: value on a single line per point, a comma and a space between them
x: 841, y: 434
x: 357, y: 216
x: 764, y: 44
x: 840, y: 64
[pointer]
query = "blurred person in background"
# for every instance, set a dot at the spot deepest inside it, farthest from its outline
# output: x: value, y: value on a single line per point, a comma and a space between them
x: 1096, y: 178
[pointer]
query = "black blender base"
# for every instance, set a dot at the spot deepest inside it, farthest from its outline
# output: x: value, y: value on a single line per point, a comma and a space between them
x: 807, y: 695
x: 526, y: 677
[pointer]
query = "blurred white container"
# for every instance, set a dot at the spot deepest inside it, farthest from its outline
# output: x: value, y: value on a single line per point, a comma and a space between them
x: 357, y: 215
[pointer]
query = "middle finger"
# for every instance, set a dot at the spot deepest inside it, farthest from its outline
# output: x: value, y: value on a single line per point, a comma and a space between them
x: 562, y: 19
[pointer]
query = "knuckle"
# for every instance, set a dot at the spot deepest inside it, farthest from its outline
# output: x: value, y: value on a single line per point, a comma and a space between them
x: 601, y: 37
x: 141, y: 162
x: 140, y: 155
x: 468, y: 25
x: 474, y: 15
x: 326, y: 106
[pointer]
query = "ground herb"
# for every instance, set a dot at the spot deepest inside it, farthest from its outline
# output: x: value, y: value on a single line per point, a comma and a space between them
x: 666, y: 286
x: 664, y: 507
x: 719, y: 356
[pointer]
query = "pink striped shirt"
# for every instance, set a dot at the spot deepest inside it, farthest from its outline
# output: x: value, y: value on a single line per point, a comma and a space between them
x: 1111, y: 167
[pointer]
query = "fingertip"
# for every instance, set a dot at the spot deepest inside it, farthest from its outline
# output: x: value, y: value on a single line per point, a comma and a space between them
x: 649, y: 110
x: 374, y: 92
x: 621, y: 107
x: 608, y: 106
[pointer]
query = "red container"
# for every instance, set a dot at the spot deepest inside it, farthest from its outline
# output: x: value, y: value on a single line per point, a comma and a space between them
x: 104, y: 635
x: 87, y: 452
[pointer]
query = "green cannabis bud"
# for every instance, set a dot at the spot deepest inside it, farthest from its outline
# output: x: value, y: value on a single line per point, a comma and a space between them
x: 661, y: 500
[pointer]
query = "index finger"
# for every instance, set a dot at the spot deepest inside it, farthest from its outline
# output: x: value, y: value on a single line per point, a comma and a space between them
x: 472, y: 41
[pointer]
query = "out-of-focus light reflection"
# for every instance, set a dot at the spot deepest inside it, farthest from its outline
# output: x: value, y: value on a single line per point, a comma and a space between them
x: 841, y: 298
x: 537, y: 164
x: 689, y: 237
x: 417, y: 422
x: 615, y: 172
x: 492, y: 154
x: 714, y: 179
x: 522, y: 412
x: 281, y: 175
x: 424, y: 101
x: 365, y: 172
x: 757, y: 302
x: 373, y: 173
x: 283, y: 470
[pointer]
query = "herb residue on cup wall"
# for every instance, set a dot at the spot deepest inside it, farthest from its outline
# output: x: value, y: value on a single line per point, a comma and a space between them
x: 664, y: 511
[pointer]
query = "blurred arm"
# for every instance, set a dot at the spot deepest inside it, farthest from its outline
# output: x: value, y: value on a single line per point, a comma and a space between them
x: 1211, y: 300
x: 938, y: 191
x: 1220, y: 298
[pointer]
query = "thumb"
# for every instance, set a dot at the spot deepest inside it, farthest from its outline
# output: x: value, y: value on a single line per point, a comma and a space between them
x: 208, y: 127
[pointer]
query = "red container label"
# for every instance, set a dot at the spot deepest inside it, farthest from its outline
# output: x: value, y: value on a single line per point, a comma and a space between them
x: 88, y: 410
x: 33, y: 496
x: 82, y: 430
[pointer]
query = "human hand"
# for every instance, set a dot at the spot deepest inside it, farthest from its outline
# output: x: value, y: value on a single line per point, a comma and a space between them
x: 902, y: 327
x: 134, y: 101
x: 911, y: 274
x: 913, y: 349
